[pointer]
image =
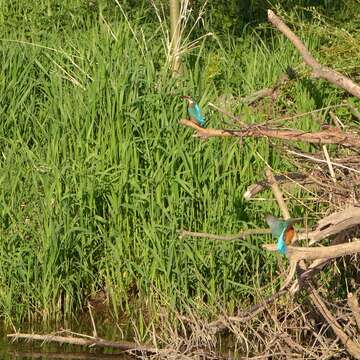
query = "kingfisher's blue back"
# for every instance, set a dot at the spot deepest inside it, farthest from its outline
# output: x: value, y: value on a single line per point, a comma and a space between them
x: 283, y: 230
x: 195, y: 113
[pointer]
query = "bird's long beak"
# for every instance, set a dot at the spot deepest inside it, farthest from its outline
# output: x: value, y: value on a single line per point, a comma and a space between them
x: 185, y: 97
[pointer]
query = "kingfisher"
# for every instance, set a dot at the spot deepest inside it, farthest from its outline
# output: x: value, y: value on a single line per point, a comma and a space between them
x: 194, y: 111
x: 283, y: 230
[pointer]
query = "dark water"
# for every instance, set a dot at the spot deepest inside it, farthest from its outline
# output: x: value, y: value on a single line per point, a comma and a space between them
x: 22, y: 350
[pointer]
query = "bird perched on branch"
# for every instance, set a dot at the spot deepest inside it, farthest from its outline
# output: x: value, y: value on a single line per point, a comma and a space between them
x: 283, y: 230
x: 194, y: 111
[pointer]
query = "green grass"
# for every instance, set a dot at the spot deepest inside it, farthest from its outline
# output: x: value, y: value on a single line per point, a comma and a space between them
x: 97, y: 176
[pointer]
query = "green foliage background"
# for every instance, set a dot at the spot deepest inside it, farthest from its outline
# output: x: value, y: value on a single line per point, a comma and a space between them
x: 97, y: 176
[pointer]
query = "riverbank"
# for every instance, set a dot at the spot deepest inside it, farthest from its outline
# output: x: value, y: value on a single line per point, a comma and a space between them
x: 98, y: 176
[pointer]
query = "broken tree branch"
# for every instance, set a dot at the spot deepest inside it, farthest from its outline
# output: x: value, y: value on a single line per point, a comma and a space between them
x: 335, y: 223
x: 327, y: 136
x: 319, y: 70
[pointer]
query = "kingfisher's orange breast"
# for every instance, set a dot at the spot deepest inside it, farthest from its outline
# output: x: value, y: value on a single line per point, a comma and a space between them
x: 289, y: 235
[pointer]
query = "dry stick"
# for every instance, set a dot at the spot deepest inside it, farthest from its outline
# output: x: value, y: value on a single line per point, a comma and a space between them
x: 240, y: 235
x: 351, y: 346
x: 285, y: 211
x: 288, y: 340
x: 258, y: 95
x: 331, y: 169
x: 315, y: 267
x: 175, y: 37
x: 336, y: 120
x: 330, y: 225
x: 326, y: 136
x: 266, y: 92
x: 355, y: 308
x: 277, y: 193
x: 292, y: 117
x: 319, y: 70
x: 92, y: 321
x: 97, y: 342
x: 289, y: 178
x: 322, y: 161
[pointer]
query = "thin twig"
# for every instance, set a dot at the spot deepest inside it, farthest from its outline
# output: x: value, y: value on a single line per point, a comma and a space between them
x: 331, y: 169
x: 277, y: 193
x: 92, y: 321
x: 296, y: 116
x: 240, y: 235
x: 322, y: 161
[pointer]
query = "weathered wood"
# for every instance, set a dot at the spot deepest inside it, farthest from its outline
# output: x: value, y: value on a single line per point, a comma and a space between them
x: 319, y: 70
x: 330, y: 135
x: 86, y: 341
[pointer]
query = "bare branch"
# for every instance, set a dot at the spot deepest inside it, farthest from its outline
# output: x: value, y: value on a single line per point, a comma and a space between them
x: 312, y: 158
x: 241, y: 235
x: 326, y: 136
x: 277, y: 193
x: 319, y: 70
x: 98, y: 342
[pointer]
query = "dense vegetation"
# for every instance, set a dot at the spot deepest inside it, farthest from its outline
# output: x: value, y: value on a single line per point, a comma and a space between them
x: 97, y: 175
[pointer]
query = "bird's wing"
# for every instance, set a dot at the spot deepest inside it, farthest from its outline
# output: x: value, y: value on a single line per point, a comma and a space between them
x: 277, y: 226
x: 281, y: 246
x: 198, y: 111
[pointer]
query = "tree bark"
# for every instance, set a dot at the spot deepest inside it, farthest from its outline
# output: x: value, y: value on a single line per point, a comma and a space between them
x: 175, y: 37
